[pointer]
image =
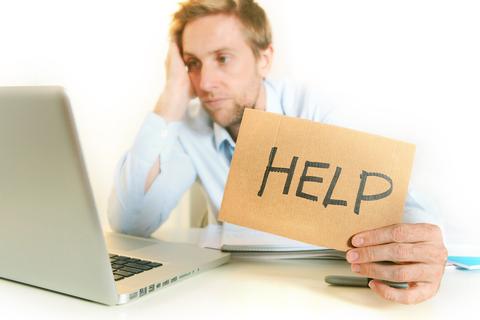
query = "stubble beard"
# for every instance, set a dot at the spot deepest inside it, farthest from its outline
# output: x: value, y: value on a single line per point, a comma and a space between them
x: 239, y: 110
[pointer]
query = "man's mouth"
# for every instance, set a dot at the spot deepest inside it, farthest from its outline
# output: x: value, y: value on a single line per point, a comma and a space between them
x: 214, y: 102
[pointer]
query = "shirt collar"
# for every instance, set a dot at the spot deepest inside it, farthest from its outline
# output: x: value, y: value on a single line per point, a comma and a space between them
x: 220, y: 134
x: 274, y: 103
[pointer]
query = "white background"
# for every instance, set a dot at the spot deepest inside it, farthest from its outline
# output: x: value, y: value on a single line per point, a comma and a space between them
x: 412, y: 64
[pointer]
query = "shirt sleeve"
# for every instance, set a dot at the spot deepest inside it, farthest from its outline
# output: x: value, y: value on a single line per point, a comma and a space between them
x: 131, y: 210
x: 417, y: 212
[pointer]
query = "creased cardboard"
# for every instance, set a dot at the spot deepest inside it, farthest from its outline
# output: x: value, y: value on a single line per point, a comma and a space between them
x: 312, y: 182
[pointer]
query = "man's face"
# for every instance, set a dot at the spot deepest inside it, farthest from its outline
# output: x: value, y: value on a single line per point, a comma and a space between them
x: 223, y: 70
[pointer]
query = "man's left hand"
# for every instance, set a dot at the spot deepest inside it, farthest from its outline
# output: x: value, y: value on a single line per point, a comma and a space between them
x: 419, y: 255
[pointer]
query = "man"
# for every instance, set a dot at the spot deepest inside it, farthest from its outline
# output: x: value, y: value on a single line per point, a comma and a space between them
x: 227, y: 50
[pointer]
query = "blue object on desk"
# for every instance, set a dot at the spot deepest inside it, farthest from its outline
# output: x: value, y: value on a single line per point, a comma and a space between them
x: 463, y: 262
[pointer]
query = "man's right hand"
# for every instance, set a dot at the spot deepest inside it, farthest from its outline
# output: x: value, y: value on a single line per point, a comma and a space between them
x: 178, y: 90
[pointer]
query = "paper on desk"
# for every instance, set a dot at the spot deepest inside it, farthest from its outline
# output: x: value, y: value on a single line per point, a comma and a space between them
x: 216, y: 236
x: 247, y: 243
x: 246, y: 238
x: 211, y: 237
x: 466, y: 263
x: 464, y: 256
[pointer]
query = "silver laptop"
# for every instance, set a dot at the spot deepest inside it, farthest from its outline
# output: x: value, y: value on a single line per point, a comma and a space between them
x: 50, y: 234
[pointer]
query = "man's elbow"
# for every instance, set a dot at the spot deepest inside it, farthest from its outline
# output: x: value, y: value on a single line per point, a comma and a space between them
x: 124, y: 226
x: 120, y: 220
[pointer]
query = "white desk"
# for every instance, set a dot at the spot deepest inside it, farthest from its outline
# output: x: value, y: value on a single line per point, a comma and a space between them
x: 249, y: 289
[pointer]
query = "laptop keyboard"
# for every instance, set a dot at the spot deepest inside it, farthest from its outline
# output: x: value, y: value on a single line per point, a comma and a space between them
x: 124, y: 267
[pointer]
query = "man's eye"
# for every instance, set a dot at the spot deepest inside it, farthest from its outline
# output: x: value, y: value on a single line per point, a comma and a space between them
x: 223, y: 59
x: 192, y: 65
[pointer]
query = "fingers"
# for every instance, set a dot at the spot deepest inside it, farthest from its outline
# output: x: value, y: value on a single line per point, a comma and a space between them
x: 414, y: 294
x: 398, y: 233
x: 174, y: 59
x: 417, y: 272
x: 417, y: 248
x: 400, y: 252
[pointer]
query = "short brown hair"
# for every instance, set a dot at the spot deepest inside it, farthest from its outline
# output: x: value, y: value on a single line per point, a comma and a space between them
x: 253, y: 18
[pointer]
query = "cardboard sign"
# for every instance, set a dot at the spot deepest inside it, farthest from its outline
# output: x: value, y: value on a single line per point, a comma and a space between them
x: 312, y: 182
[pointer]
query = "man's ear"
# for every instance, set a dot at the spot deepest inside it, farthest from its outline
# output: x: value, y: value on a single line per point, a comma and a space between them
x: 264, y: 61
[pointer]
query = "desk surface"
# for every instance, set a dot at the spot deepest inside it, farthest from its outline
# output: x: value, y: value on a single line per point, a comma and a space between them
x: 249, y: 289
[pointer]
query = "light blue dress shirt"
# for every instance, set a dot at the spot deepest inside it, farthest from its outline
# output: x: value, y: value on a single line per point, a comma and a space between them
x: 198, y: 149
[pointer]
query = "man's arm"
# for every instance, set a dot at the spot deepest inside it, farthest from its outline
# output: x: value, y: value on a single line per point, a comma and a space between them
x: 152, y: 174
x: 140, y: 202
x: 137, y: 210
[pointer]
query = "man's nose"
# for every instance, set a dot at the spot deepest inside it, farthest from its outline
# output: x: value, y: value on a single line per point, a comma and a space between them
x: 208, y: 78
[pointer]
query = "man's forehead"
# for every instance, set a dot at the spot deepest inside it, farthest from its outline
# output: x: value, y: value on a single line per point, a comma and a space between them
x: 213, y: 33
